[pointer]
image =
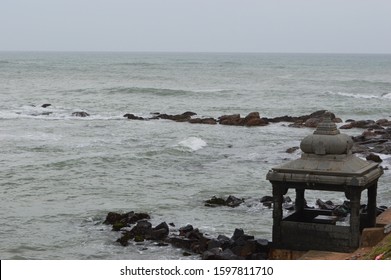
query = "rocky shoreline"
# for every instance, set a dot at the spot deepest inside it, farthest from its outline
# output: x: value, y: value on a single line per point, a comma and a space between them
x: 136, y: 228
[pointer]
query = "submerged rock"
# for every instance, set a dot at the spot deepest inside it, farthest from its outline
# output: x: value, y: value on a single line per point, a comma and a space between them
x: 133, y: 117
x: 374, y: 157
x: 231, y: 201
x: 80, y: 114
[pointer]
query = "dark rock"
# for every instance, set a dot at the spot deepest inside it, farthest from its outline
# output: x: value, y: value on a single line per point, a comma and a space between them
x: 119, y: 225
x: 229, y: 255
x: 215, y: 243
x: 142, y: 228
x: 313, y: 122
x: 133, y: 117
x: 292, y: 150
x: 374, y: 157
x: 253, y: 119
x: 230, y: 119
x: 133, y: 217
x: 113, y: 217
x: 184, y: 117
x: 184, y: 230
x: 283, y: 119
x: 233, y: 201
x: 337, y: 120
x: 383, y: 122
x: 46, y: 105
x: 328, y: 205
x: 256, y: 122
x: 181, y: 242
x: 266, y: 198
x: 288, y: 206
x: 212, y: 254
x: 242, y: 240
x: 160, y: 232
x: 226, y: 242
x: 203, y: 121
x: 237, y: 234
x: 80, y: 114
x: 122, y: 220
x: 342, y: 210
x: 346, y: 126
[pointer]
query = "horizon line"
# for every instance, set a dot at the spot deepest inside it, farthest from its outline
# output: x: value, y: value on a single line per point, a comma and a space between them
x: 194, y: 52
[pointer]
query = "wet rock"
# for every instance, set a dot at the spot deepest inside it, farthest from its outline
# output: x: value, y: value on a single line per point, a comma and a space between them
x: 252, y: 119
x: 230, y: 119
x: 133, y: 117
x: 160, y: 232
x: 237, y: 234
x: 342, y: 210
x: 266, y: 198
x: 203, y: 121
x: 383, y: 122
x: 241, y: 246
x: 284, y: 119
x: 184, y: 117
x: 374, y: 157
x: 80, y: 114
x: 313, y: 122
x: 46, y: 105
x: 118, y: 221
x: 186, y: 229
x: 292, y: 150
x: 231, y: 201
x: 328, y: 205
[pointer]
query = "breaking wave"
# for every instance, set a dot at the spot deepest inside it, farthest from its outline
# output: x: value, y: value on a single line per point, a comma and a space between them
x: 360, y: 96
x: 163, y: 91
x: 193, y: 143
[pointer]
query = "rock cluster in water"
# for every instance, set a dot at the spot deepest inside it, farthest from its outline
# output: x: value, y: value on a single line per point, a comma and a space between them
x: 137, y: 228
x: 251, y: 119
x: 376, y: 139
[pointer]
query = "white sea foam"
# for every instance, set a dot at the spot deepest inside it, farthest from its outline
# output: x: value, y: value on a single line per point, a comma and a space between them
x: 354, y: 95
x: 193, y: 143
x: 386, y: 95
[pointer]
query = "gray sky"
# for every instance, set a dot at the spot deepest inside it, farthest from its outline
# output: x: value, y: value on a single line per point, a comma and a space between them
x: 342, y: 26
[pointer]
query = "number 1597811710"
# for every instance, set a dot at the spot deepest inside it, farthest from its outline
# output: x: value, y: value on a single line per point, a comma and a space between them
x: 238, y: 270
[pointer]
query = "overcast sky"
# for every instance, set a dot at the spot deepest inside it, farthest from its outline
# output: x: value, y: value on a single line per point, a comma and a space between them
x: 328, y: 26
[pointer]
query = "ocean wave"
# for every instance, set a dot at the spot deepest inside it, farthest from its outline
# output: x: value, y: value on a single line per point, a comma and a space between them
x: 386, y: 95
x: 163, y: 91
x: 193, y: 143
x: 52, y: 113
x: 355, y: 95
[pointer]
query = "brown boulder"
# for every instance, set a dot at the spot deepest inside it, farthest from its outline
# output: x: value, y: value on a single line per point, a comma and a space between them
x: 230, y: 119
x: 203, y: 121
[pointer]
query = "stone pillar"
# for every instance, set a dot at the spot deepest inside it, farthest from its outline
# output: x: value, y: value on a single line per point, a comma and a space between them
x: 372, y: 193
x: 277, y: 212
x: 299, y: 201
x: 355, y: 196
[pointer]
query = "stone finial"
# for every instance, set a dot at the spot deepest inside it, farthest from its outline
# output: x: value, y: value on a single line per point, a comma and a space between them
x: 327, y: 126
x: 327, y: 140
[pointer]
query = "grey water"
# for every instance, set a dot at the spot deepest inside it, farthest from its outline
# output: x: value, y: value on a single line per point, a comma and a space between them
x: 60, y: 174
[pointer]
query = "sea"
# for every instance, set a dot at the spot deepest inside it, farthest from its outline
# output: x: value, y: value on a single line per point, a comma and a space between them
x: 61, y: 174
